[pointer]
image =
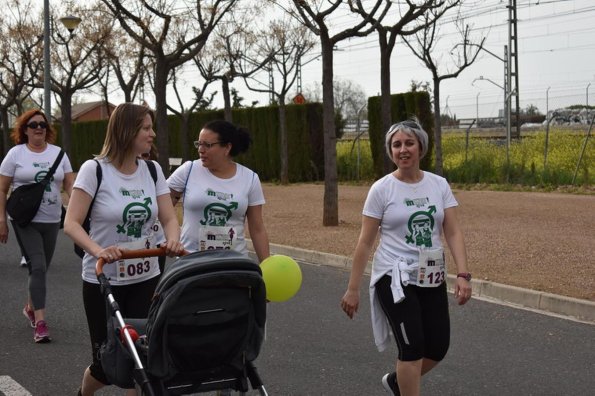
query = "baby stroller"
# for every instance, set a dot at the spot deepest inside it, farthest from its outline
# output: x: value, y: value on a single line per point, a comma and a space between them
x: 204, y: 329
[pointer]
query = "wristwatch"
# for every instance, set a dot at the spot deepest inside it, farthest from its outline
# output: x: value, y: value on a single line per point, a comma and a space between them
x: 465, y: 275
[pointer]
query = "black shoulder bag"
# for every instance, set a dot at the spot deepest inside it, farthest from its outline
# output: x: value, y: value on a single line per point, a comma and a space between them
x: 23, y: 203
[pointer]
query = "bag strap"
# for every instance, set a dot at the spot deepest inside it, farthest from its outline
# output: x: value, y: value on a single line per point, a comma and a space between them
x: 99, y: 175
x: 50, y: 173
x: 185, y: 184
x: 152, y: 170
x: 188, y: 177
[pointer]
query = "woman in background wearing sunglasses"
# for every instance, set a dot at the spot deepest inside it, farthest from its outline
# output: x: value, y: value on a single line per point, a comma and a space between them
x: 411, y: 209
x: 220, y: 194
x: 28, y: 162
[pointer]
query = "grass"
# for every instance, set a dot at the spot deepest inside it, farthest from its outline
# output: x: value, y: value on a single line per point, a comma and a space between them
x: 484, y: 164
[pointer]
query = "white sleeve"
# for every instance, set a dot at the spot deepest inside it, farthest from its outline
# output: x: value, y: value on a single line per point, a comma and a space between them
x: 66, y: 166
x: 255, y: 195
x: 9, y: 165
x: 374, y: 204
x: 177, y: 180
x: 86, y: 178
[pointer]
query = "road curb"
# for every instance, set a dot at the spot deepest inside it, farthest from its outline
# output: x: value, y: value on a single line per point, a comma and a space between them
x: 572, y: 308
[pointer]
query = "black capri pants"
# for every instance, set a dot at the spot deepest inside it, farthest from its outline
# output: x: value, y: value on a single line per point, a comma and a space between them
x: 134, y: 301
x: 420, y: 322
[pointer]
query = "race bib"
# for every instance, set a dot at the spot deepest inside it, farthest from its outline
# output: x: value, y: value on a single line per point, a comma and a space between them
x: 432, y: 268
x: 136, y: 267
x: 216, y: 237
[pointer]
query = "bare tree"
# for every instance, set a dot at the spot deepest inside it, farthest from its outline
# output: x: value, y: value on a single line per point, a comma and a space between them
x: 316, y: 18
x: 17, y: 39
x: 128, y: 61
x: 350, y: 97
x: 200, y: 101
x: 464, y: 53
x: 288, y: 43
x: 234, y: 52
x: 172, y: 32
x: 410, y: 18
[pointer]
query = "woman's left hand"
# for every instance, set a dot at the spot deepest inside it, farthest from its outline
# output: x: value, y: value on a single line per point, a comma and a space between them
x: 174, y: 248
x: 3, y: 232
x: 462, y: 290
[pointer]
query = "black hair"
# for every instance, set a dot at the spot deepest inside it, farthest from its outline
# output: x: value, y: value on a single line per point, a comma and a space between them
x: 237, y: 136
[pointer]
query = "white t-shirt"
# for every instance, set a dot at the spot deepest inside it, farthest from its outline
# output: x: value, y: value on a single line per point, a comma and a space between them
x: 215, y: 208
x: 26, y: 167
x: 411, y: 215
x: 123, y: 214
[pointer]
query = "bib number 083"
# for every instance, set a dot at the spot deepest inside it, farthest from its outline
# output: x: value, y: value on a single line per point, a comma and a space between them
x: 138, y: 268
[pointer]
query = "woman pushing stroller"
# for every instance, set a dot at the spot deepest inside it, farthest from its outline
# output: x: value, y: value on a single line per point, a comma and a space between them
x: 123, y: 206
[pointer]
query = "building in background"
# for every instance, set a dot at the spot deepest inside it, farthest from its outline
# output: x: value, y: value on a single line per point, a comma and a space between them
x: 91, y: 111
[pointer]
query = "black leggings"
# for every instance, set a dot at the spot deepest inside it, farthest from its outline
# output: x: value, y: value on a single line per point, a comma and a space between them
x: 134, y: 301
x: 420, y: 322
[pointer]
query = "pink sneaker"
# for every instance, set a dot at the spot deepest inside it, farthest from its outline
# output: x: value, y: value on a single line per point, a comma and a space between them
x: 41, y: 334
x: 29, y: 314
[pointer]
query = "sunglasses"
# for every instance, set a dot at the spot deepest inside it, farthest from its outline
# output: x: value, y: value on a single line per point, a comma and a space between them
x: 35, y: 125
x: 199, y: 143
x: 406, y: 124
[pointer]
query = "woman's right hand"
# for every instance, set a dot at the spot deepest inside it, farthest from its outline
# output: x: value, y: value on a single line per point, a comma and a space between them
x: 110, y: 254
x: 350, y: 302
x: 3, y: 231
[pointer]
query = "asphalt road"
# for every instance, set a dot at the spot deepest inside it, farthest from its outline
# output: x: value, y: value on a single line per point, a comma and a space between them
x: 311, y: 348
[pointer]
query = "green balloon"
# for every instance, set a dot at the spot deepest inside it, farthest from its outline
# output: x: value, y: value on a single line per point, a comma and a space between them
x: 282, y: 277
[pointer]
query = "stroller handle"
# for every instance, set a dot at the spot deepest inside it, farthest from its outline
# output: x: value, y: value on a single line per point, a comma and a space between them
x: 138, y: 253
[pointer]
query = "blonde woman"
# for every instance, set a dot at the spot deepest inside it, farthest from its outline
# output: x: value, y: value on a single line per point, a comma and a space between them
x: 125, y: 207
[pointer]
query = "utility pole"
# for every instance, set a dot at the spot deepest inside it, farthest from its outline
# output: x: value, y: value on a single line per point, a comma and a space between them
x: 477, y: 109
x: 506, y: 108
x: 271, y: 85
x: 513, y: 64
x: 299, y: 75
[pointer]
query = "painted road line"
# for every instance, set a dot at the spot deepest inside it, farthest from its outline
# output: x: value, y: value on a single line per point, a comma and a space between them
x: 10, y: 387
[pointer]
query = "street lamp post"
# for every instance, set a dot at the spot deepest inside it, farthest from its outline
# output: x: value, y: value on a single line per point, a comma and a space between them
x: 47, y: 105
x: 547, y: 126
x: 507, y: 96
x: 477, y: 110
x: 70, y: 22
x: 588, y: 85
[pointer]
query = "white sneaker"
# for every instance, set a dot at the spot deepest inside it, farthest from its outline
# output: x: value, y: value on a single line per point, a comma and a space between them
x: 23, y: 261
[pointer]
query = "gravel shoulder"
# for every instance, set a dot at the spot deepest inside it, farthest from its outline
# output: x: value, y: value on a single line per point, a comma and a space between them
x: 533, y: 240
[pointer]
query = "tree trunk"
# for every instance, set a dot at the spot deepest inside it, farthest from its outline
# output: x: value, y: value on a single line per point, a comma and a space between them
x: 385, y: 95
x: 284, y: 176
x: 5, y: 128
x: 330, y: 215
x: 226, y: 100
x: 437, y: 128
x: 66, y: 120
x: 185, y: 134
x: 161, y: 124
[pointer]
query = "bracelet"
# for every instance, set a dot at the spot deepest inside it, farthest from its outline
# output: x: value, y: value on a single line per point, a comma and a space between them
x: 464, y: 275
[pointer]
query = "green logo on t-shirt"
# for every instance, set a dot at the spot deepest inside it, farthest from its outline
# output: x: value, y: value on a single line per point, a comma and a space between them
x: 135, y: 215
x: 217, y: 214
x: 421, y: 225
